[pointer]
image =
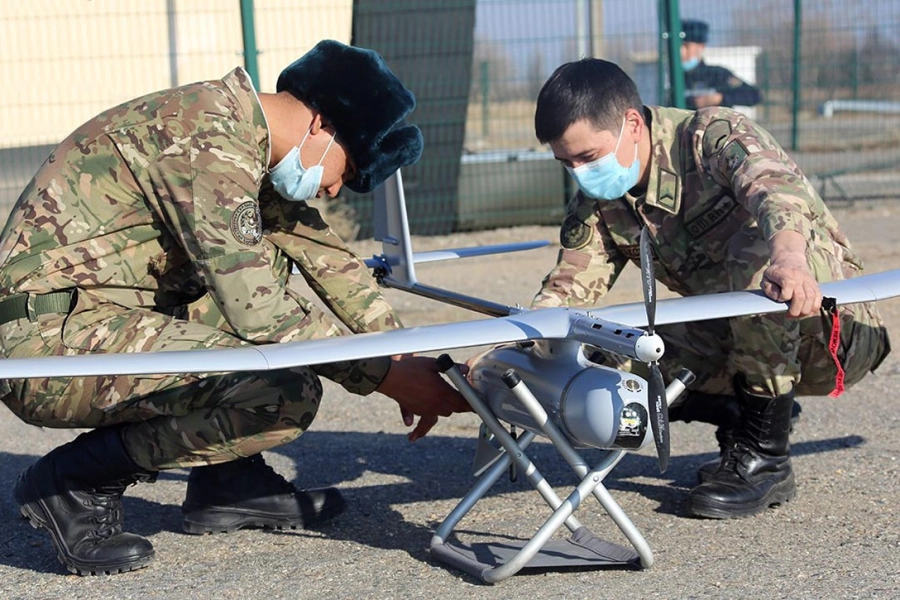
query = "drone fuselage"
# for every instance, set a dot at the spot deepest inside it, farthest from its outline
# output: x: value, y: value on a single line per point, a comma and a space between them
x: 595, y: 406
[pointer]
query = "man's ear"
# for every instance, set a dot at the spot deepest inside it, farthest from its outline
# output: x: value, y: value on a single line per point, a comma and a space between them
x: 317, y: 123
x: 634, y: 124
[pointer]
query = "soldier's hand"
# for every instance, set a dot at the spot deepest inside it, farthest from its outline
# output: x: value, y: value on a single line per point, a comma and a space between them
x: 714, y: 99
x: 415, y: 382
x: 789, y: 278
x: 425, y: 424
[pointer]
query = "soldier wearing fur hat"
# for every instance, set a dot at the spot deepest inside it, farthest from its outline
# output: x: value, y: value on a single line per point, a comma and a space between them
x: 174, y: 222
x: 710, y: 85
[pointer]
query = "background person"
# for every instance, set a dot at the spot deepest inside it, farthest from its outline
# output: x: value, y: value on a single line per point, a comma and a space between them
x: 710, y: 85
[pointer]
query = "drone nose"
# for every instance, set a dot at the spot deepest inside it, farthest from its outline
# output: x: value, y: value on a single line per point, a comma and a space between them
x: 649, y: 347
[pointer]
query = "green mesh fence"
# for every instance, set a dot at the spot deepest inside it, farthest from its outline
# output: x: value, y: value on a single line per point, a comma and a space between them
x: 828, y: 71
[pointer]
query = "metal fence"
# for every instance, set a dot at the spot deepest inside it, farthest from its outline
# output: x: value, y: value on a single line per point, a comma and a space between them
x: 829, y: 73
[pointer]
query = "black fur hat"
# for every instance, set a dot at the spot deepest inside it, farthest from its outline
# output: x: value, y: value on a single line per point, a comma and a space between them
x: 366, y: 103
x: 695, y: 31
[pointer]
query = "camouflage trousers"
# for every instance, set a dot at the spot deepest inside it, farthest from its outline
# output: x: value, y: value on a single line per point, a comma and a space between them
x: 799, y: 359
x: 774, y: 353
x: 173, y: 420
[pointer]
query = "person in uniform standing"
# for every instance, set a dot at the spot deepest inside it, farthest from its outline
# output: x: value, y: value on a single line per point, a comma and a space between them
x: 173, y: 222
x: 726, y: 209
x: 710, y: 85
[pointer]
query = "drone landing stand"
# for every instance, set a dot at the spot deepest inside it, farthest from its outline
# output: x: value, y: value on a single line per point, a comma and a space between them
x: 495, y: 561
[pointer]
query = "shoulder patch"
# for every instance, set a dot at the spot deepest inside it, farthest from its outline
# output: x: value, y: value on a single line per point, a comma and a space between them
x: 246, y: 224
x: 575, y: 233
x: 716, y: 135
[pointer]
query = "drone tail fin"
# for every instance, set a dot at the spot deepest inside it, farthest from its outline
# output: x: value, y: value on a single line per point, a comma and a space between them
x: 392, y: 230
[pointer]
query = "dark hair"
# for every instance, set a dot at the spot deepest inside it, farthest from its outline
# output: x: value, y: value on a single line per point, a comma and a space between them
x: 588, y: 89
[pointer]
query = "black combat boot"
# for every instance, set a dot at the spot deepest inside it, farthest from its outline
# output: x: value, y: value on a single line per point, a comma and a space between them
x: 721, y: 410
x: 75, y: 494
x: 725, y: 437
x: 249, y: 493
x: 755, y: 472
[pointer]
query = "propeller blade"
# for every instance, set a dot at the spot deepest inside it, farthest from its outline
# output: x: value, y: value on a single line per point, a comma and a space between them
x: 648, y: 278
x: 659, y: 415
x: 656, y: 391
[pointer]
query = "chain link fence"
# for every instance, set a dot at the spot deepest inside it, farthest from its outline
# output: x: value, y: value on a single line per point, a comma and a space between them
x: 828, y: 71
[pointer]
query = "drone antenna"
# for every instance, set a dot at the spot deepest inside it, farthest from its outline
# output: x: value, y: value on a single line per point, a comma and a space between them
x: 656, y: 392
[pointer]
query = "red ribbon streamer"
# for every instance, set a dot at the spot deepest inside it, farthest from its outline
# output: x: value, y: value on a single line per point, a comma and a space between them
x: 830, y: 307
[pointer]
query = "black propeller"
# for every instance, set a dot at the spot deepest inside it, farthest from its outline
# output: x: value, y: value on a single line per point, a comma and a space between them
x: 656, y: 394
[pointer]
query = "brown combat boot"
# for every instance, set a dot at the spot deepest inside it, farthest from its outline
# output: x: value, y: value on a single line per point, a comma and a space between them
x: 75, y: 494
x: 247, y: 492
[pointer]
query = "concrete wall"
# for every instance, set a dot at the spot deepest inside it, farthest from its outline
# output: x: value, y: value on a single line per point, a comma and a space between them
x: 508, y: 188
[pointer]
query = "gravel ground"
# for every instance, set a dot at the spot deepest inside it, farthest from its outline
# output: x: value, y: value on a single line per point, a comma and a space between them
x: 839, y: 538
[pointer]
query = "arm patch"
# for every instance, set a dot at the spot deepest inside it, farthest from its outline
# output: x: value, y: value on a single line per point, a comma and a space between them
x: 246, y: 224
x: 734, y: 154
x: 575, y: 233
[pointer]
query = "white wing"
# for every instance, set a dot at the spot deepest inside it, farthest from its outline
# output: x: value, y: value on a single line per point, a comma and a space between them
x: 528, y: 325
x: 531, y: 325
x: 867, y: 288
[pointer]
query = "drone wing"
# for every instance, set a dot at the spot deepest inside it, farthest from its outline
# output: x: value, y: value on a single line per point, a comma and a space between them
x: 551, y: 323
x: 866, y: 288
x: 602, y: 327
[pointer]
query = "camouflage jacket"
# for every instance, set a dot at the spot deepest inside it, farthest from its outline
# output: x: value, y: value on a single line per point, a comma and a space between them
x: 713, y: 173
x: 165, y: 199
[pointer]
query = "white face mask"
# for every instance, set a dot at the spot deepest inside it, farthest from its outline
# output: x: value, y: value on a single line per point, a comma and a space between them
x: 292, y: 181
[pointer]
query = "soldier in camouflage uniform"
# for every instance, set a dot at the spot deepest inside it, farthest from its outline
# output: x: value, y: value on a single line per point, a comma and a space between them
x: 173, y: 222
x: 726, y: 210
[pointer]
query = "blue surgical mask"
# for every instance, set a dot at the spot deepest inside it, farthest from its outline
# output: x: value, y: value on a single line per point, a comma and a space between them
x: 605, y: 178
x: 292, y: 181
x: 690, y: 64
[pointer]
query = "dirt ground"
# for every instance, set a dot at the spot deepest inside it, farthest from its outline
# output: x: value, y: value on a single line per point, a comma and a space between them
x: 840, y: 537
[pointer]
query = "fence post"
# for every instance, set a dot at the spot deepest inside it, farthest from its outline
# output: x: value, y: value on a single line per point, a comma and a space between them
x: 248, y: 32
x: 485, y: 104
x: 795, y: 83
x: 766, y: 85
x: 670, y: 22
x: 172, y: 27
